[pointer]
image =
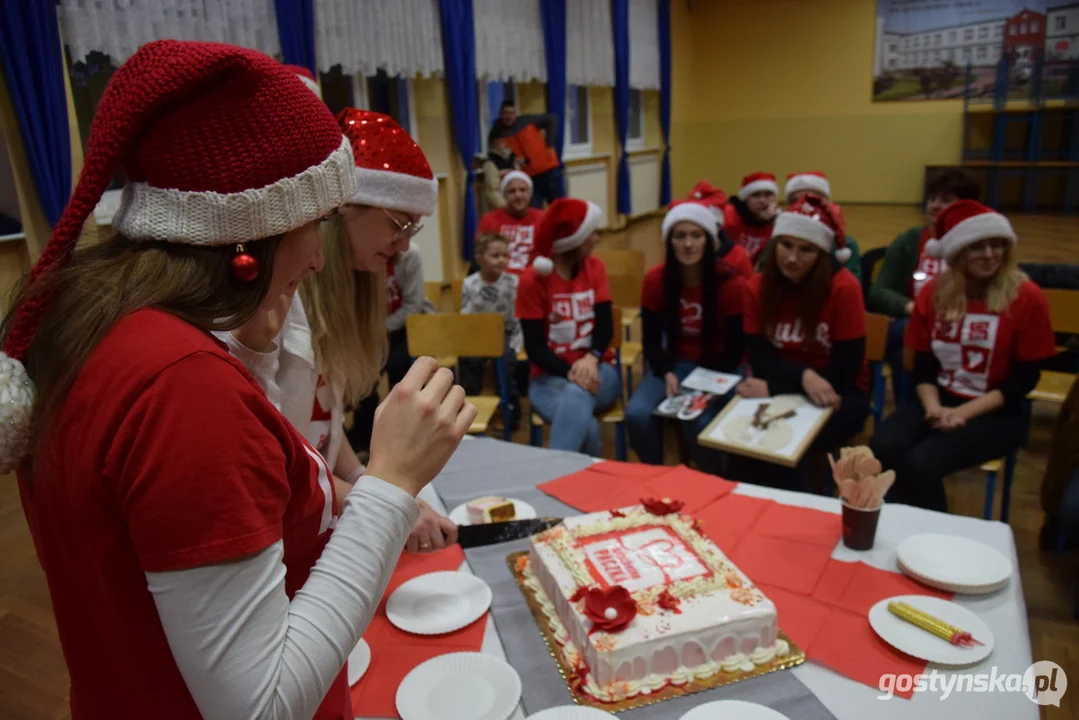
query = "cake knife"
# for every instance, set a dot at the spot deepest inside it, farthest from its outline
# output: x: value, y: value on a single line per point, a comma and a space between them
x: 469, y: 536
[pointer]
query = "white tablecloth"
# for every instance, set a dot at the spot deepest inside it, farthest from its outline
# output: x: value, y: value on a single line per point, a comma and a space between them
x: 1004, y: 612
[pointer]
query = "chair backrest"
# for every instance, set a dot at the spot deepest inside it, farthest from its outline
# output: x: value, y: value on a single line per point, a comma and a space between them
x: 872, y: 261
x: 616, y: 323
x: 455, y: 291
x: 437, y: 335
x: 876, y: 336
x: 625, y: 290
x: 1063, y: 310
x: 433, y: 292
x: 622, y: 262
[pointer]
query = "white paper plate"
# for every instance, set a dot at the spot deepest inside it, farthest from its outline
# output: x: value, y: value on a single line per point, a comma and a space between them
x: 358, y: 661
x: 733, y: 710
x: 459, y: 686
x: 953, y: 560
x: 524, y: 511
x: 924, y: 645
x: 438, y: 602
x: 953, y: 588
x: 570, y: 712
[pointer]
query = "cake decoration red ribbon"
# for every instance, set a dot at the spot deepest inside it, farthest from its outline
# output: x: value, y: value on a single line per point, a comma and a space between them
x: 610, y: 610
x: 669, y: 602
x: 666, y: 506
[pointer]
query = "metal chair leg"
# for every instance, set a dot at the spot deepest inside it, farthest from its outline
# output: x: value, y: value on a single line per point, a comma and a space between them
x: 1006, y: 491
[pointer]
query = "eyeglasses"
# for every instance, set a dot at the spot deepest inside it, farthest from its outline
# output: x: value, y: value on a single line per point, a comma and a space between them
x: 406, y: 231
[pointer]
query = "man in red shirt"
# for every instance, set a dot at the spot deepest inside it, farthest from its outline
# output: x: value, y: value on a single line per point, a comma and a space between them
x: 749, y: 217
x: 517, y: 221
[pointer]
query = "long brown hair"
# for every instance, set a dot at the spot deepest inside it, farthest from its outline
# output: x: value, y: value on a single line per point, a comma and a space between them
x: 950, y: 296
x: 105, y: 282
x: 812, y: 292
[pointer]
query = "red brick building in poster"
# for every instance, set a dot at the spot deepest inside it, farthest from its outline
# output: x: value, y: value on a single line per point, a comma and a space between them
x: 1024, y: 36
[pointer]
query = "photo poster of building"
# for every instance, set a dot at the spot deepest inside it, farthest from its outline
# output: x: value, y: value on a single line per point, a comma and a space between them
x: 923, y: 47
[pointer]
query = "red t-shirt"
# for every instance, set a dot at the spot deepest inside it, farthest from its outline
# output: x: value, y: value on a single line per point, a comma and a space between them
x: 166, y: 455
x: 567, y: 308
x: 393, y: 289
x: 927, y: 267
x: 729, y: 301
x: 520, y: 232
x: 976, y: 353
x: 737, y: 259
x: 842, y: 318
x: 752, y: 238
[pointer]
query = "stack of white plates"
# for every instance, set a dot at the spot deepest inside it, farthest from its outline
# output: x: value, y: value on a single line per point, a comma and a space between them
x: 460, y: 686
x: 952, y: 563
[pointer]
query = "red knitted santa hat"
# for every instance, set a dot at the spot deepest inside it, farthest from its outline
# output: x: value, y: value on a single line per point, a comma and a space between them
x: 567, y: 223
x: 813, y: 180
x: 689, y: 211
x: 391, y: 170
x: 711, y: 197
x: 220, y: 145
x: 815, y: 220
x: 307, y: 77
x: 757, y: 182
x: 514, y: 175
x: 963, y: 223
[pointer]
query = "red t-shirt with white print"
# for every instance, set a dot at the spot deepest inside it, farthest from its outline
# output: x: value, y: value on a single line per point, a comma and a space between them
x: 737, y: 259
x: 393, y: 290
x: 928, y: 267
x: 567, y: 308
x: 729, y: 299
x: 519, y: 231
x: 165, y: 455
x: 841, y: 318
x: 977, y: 352
x: 752, y: 238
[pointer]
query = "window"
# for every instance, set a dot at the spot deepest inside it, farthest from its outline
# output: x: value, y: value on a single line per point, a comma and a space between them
x: 1012, y: 30
x: 925, y: 56
x: 388, y: 95
x: 966, y: 54
x: 968, y: 34
x: 892, y: 48
x: 998, y: 31
x: 983, y: 52
x: 952, y: 36
x: 578, y: 142
x: 936, y: 39
x: 1023, y: 28
x: 1035, y: 26
x: 1061, y: 22
x: 983, y: 33
x: 635, y: 132
x: 491, y: 95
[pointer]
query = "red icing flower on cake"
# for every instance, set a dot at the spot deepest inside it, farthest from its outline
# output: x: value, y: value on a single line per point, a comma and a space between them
x: 669, y: 602
x: 666, y: 506
x: 609, y: 610
x: 616, y: 513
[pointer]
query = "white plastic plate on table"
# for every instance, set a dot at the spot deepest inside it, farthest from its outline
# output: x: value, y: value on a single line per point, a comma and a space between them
x: 570, y: 712
x: 923, y: 644
x: 953, y: 560
x: 733, y: 710
x: 459, y: 686
x: 438, y: 602
x: 524, y: 511
x: 950, y: 587
x: 358, y: 661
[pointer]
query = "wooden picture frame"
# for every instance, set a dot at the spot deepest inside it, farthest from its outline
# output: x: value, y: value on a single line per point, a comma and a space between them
x: 713, y: 437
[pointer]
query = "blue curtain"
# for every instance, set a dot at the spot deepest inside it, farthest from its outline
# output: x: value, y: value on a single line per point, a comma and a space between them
x: 296, y: 29
x: 459, y: 49
x: 34, y: 69
x: 620, y: 23
x: 665, y: 98
x: 553, y: 15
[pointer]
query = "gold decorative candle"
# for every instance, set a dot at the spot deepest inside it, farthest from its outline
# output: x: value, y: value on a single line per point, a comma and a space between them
x: 927, y: 622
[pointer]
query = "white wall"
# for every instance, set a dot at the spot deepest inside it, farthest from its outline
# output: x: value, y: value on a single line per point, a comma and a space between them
x: 644, y: 182
x: 589, y: 182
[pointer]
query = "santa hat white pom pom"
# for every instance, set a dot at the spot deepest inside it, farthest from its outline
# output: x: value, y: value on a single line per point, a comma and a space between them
x: 16, y: 413
x: 843, y: 254
x: 934, y: 248
x: 543, y: 265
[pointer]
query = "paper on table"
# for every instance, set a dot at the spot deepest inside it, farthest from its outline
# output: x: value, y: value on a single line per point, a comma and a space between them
x: 807, y: 525
x: 591, y: 491
x: 787, y: 564
x: 728, y: 519
x: 804, y: 426
x: 857, y: 587
x: 628, y: 469
x: 800, y: 616
x: 710, y: 381
x: 696, y: 489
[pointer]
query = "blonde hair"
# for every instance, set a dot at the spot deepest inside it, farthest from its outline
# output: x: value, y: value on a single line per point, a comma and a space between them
x: 950, y: 297
x: 346, y: 310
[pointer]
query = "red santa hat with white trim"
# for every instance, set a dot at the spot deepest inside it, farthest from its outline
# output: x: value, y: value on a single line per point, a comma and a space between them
x: 692, y: 211
x: 219, y: 145
x: 391, y: 170
x: 757, y: 182
x: 514, y: 175
x: 565, y: 226
x: 711, y: 197
x: 813, y: 181
x: 307, y: 78
x: 815, y: 220
x: 964, y: 223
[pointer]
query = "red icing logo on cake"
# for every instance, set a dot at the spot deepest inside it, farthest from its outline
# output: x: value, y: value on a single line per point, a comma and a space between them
x: 640, y: 558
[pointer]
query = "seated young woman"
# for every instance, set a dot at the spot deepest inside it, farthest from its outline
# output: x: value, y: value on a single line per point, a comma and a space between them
x: 980, y: 332
x: 691, y: 315
x: 733, y: 256
x: 564, y: 305
x: 805, y: 331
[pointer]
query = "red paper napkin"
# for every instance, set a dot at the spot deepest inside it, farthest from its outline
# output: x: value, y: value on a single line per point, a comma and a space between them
x: 787, y: 564
x: 728, y: 519
x: 800, y: 616
x: 627, y: 469
x: 591, y: 491
x: 801, y: 524
x: 857, y: 587
x: 696, y: 489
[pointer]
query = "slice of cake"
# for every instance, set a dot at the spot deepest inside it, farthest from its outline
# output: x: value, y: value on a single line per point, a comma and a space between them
x: 639, y: 599
x: 490, y: 509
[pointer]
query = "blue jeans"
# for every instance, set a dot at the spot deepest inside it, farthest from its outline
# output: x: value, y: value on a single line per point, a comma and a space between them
x: 893, y: 354
x: 547, y: 186
x: 570, y: 409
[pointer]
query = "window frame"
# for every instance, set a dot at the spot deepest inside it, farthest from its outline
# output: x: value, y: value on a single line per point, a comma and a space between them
x: 634, y: 143
x: 575, y: 150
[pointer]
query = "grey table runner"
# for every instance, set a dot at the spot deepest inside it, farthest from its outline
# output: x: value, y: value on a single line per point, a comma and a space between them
x: 485, y: 466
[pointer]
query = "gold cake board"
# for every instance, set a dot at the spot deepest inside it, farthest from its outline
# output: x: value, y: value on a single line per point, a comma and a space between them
x: 795, y: 657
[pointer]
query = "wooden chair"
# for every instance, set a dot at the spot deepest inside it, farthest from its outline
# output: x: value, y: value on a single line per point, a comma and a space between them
x: 876, y: 339
x: 456, y: 335
x: 433, y: 292
x: 626, y: 296
x: 624, y: 262
x: 455, y: 293
x: 616, y: 415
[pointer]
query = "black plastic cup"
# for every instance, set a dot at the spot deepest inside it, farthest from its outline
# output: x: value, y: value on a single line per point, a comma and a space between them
x: 860, y: 526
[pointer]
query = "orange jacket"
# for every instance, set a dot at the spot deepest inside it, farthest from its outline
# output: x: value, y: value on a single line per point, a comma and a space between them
x: 530, y: 146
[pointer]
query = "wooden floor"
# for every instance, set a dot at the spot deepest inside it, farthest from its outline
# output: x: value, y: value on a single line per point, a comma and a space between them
x: 33, y: 681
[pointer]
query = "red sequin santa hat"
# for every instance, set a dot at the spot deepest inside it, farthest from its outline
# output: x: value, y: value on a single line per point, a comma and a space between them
x: 307, y: 77
x: 757, y: 182
x: 963, y: 223
x: 219, y: 145
x: 815, y: 220
x: 689, y: 211
x: 391, y: 170
x: 567, y: 223
x: 711, y: 197
x: 813, y: 180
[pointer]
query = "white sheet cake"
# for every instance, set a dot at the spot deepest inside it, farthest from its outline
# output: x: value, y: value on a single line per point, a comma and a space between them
x: 696, y: 613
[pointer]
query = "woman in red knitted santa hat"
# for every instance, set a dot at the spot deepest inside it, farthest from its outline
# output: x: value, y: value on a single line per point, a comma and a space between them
x: 564, y: 304
x: 980, y: 332
x: 178, y: 516
x: 805, y: 326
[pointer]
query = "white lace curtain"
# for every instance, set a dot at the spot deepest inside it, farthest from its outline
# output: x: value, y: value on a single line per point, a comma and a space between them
x: 509, y: 40
x: 118, y: 28
x: 643, y: 44
x: 402, y: 37
x: 589, y: 45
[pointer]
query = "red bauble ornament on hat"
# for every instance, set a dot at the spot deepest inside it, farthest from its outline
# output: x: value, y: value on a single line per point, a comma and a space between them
x: 243, y: 265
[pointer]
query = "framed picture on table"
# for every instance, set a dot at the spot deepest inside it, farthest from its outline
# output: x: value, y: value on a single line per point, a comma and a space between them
x: 776, y: 429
